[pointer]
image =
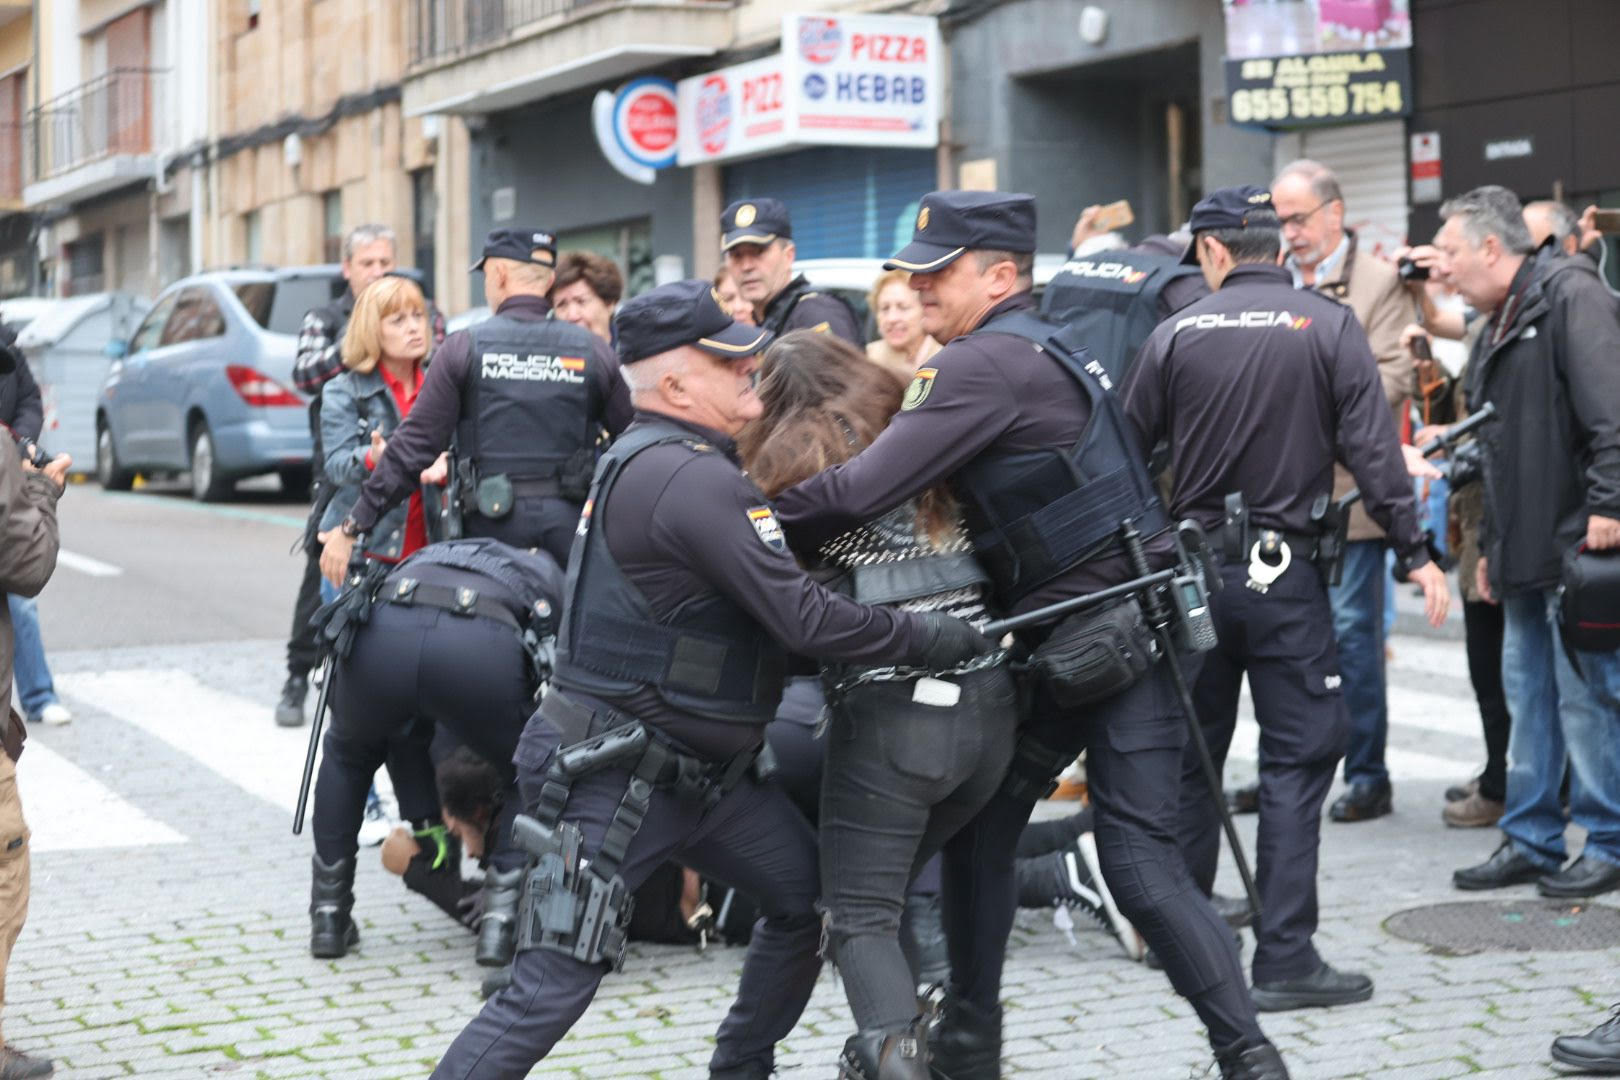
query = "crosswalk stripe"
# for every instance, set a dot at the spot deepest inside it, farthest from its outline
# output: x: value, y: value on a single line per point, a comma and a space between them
x: 84, y: 564
x: 67, y: 809
x: 230, y: 735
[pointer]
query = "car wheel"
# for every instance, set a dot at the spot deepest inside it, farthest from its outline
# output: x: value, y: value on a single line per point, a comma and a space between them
x: 109, y: 474
x: 207, y: 483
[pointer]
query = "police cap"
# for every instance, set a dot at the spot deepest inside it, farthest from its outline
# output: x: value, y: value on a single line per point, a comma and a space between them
x: 1225, y: 208
x: 682, y: 313
x: 754, y: 221
x: 952, y: 222
x: 520, y: 245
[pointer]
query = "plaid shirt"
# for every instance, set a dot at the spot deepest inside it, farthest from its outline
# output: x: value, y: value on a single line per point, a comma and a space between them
x: 320, y: 343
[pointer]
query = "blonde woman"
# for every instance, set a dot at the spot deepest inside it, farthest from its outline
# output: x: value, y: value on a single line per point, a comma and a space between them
x: 384, y: 348
x: 901, y: 347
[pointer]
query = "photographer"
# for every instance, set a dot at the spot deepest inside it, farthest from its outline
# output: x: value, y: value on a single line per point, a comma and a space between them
x: 1545, y: 359
x: 28, y: 545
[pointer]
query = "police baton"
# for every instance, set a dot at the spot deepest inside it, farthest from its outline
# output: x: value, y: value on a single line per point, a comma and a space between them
x: 357, y: 562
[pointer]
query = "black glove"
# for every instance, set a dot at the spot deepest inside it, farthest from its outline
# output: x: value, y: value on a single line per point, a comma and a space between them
x: 949, y: 641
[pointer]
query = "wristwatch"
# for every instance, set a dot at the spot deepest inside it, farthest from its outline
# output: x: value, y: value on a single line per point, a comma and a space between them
x: 349, y: 527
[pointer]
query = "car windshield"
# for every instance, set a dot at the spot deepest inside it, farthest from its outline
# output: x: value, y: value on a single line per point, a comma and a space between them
x: 280, y: 306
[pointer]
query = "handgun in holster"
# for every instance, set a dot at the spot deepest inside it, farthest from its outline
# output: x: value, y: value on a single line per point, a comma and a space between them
x: 602, y: 751
x: 1332, y: 523
x: 549, y: 905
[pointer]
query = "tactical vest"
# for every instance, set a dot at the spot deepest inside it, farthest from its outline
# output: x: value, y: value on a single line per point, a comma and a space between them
x: 780, y: 310
x: 1033, y: 514
x: 526, y: 407
x: 530, y: 576
x: 710, y: 657
x: 1112, y: 301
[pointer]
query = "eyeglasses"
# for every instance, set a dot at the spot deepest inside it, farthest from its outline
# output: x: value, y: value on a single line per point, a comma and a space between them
x: 1298, y: 220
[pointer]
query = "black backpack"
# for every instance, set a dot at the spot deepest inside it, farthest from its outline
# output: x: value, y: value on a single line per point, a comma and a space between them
x: 1113, y: 299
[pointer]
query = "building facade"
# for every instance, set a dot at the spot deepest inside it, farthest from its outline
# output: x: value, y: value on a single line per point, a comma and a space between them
x: 18, y: 258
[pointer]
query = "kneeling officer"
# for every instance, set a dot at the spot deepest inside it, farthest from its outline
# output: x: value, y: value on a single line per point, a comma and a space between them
x: 682, y: 605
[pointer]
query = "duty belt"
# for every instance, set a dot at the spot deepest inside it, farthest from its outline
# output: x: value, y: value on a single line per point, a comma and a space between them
x: 1236, y: 542
x: 408, y: 592
x: 537, y: 487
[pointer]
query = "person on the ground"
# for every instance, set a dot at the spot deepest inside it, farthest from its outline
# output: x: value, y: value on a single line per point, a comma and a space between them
x: 1259, y: 389
x: 528, y: 400
x: 757, y: 239
x: 683, y: 607
x: 28, y: 549
x: 22, y: 411
x: 996, y: 415
x: 1325, y: 255
x: 368, y: 254
x: 585, y: 291
x: 902, y: 346
x: 908, y: 760
x: 1545, y: 360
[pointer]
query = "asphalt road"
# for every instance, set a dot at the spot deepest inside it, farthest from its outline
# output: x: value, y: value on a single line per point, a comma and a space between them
x: 165, y: 569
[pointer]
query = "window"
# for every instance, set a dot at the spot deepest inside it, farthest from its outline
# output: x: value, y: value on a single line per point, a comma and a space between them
x: 86, y: 269
x: 280, y: 306
x: 196, y: 316
x: 332, y: 226
x: 146, y: 337
x: 424, y: 215
x: 252, y: 237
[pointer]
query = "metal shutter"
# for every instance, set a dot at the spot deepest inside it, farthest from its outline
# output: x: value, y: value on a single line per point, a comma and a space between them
x: 846, y: 201
x: 1370, y: 162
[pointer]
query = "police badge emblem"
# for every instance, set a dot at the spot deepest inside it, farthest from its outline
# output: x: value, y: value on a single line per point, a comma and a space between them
x: 763, y: 519
x: 922, y: 219
x: 745, y: 215
x: 917, y: 392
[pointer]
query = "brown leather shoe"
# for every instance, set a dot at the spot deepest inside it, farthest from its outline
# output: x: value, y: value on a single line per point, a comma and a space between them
x: 1474, y: 812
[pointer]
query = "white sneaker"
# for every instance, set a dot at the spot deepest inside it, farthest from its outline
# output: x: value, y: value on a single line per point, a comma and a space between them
x: 1129, y: 939
x: 55, y: 714
x: 375, y: 827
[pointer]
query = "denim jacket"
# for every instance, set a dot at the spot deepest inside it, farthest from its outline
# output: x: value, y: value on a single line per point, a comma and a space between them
x: 353, y: 405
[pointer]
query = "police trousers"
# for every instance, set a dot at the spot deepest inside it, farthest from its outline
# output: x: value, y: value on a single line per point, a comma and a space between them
x: 412, y: 669
x: 544, y: 523
x: 1283, y: 638
x: 1133, y: 745
x: 751, y: 839
x: 902, y: 778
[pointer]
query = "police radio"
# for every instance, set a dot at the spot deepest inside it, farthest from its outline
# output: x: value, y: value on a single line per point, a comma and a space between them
x: 1196, y: 577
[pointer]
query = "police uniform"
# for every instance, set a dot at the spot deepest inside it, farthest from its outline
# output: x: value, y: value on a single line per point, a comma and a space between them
x: 1010, y: 415
x: 797, y: 306
x: 1259, y: 388
x: 682, y: 606
x: 442, y: 645
x: 527, y: 398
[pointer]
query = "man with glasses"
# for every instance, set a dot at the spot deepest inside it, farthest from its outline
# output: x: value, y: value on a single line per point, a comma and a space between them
x: 1323, y: 255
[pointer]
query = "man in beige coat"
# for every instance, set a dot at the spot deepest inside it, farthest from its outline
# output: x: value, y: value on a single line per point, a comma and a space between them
x: 1324, y: 256
x: 28, y: 545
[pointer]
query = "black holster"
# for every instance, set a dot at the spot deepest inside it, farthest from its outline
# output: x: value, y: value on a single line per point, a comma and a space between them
x: 1095, y: 655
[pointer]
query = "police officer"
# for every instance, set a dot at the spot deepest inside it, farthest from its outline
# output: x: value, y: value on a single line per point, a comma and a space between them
x: 683, y: 603
x: 454, y: 636
x: 1019, y: 421
x: 1259, y: 388
x: 757, y: 239
x: 527, y: 398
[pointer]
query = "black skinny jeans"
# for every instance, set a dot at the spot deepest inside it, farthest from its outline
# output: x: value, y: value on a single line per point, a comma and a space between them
x: 901, y: 780
x: 1483, y: 624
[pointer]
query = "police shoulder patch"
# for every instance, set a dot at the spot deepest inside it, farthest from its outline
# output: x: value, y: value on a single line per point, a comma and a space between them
x: 921, y: 384
x: 769, y: 530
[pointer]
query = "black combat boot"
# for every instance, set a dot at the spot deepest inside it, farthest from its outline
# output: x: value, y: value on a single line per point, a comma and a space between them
x: 922, y: 939
x: 497, y: 929
x: 332, y: 932
x: 887, y: 1054
x: 966, y: 1042
x: 1261, y: 1062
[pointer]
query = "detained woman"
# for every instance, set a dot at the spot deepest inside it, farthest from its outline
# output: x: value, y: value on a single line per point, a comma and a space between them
x: 383, y: 352
x: 901, y: 347
x: 909, y: 760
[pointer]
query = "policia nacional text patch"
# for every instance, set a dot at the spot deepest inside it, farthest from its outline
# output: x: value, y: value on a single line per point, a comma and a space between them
x: 763, y: 519
x: 921, y: 384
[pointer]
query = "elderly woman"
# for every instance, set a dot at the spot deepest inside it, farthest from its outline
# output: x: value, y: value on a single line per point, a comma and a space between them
x: 731, y: 298
x: 902, y: 347
x: 909, y: 760
x: 586, y: 290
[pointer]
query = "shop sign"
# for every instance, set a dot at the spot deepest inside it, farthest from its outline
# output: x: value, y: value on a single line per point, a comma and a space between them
x: 636, y: 127
x: 848, y: 80
x: 1325, y: 62
x: 1501, y: 149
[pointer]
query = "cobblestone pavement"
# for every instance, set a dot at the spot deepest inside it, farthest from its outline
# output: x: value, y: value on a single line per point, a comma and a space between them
x: 168, y: 932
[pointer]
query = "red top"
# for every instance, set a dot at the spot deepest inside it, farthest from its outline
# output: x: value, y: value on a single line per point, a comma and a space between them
x: 405, y: 397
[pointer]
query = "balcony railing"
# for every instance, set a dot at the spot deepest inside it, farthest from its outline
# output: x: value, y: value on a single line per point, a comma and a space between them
x: 113, y: 114
x: 442, y: 29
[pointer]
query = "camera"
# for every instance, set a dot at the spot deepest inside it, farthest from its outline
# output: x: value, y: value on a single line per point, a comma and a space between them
x: 1465, y: 464
x: 38, y: 458
x: 1411, y: 271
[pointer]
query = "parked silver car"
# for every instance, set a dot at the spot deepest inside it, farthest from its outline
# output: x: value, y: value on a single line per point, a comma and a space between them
x: 205, y: 384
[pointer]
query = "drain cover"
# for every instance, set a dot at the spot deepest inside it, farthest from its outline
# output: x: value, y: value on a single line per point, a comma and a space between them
x: 1509, y: 926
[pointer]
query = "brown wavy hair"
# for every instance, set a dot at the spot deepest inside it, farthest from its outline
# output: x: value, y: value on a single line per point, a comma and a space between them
x: 824, y: 403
